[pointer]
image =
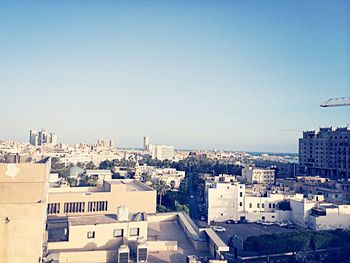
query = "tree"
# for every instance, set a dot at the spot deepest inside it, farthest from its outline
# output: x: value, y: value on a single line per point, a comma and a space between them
x: 161, y: 189
x: 90, y: 166
x: 172, y: 184
x: 284, y: 205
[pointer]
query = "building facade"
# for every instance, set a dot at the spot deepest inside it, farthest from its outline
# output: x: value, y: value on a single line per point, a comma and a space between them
x: 104, y: 199
x: 23, y: 202
x: 325, y: 153
x: 258, y: 175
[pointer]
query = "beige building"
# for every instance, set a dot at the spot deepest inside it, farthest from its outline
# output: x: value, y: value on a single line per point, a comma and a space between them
x: 23, y: 202
x: 104, y: 199
x: 165, y: 237
x: 258, y: 175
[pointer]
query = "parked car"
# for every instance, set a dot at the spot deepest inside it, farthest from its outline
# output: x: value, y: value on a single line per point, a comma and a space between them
x: 230, y: 221
x: 282, y: 224
x: 218, y: 228
x: 266, y: 223
x: 243, y: 221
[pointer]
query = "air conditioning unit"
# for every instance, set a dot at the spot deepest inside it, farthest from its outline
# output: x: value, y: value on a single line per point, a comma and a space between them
x: 141, y: 250
x: 123, y: 254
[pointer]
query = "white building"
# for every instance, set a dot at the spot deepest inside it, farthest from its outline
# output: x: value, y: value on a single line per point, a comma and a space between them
x: 224, y: 200
x: 258, y: 175
x: 163, y: 152
x: 169, y: 175
x: 230, y: 200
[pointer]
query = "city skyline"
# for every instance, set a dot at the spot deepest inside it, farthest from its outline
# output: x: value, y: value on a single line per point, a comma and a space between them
x: 197, y: 75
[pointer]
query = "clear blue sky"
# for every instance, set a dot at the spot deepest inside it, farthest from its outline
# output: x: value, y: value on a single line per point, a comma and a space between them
x: 196, y: 74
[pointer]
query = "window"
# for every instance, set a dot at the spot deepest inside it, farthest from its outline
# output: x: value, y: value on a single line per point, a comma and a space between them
x: 250, y: 205
x: 262, y: 205
x: 258, y: 205
x: 269, y: 205
x: 274, y: 205
x: 53, y: 208
x: 75, y: 207
x: 134, y: 232
x: 118, y: 232
x: 240, y: 194
x: 240, y: 204
x: 97, y: 206
x: 91, y: 234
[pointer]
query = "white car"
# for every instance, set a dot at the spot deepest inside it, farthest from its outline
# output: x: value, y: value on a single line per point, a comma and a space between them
x: 218, y: 228
x: 282, y: 224
x: 266, y: 223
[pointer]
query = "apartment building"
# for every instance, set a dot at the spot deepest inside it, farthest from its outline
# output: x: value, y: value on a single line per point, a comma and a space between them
x: 258, y: 175
x: 162, y: 152
x: 23, y: 203
x: 325, y: 153
x: 104, y: 199
x: 140, y: 237
x: 229, y: 200
x: 170, y: 176
x: 224, y: 200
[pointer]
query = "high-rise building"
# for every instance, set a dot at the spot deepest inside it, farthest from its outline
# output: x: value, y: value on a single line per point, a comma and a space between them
x: 42, y: 137
x: 146, y: 143
x: 325, y: 153
x: 52, y: 138
x: 105, y: 143
x: 33, y: 137
x: 23, y: 204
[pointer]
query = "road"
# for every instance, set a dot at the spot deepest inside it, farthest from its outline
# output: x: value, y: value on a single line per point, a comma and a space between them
x: 193, y: 202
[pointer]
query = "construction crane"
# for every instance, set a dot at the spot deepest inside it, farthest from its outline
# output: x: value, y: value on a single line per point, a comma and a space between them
x: 336, y: 102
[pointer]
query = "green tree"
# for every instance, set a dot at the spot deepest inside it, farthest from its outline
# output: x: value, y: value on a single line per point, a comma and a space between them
x: 162, y: 188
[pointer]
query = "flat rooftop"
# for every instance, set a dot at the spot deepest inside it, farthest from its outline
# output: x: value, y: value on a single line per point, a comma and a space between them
x: 128, y: 185
x: 96, y: 219
x: 171, y: 231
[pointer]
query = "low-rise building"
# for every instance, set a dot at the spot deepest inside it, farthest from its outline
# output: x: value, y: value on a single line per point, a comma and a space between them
x: 258, y: 176
x: 102, y: 199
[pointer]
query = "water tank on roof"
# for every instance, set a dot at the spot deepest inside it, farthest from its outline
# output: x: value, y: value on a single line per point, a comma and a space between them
x: 122, y: 213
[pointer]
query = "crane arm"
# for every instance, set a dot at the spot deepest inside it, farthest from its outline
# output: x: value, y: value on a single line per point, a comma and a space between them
x: 336, y: 102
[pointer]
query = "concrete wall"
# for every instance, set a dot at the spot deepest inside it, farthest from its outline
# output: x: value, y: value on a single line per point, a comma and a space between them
x: 107, y: 256
x: 162, y: 245
x: 115, y: 194
x: 23, y: 197
x: 225, y: 201
x: 103, y: 240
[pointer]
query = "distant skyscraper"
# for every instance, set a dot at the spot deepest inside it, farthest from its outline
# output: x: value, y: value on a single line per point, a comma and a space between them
x: 53, y: 138
x: 146, y: 143
x: 325, y: 153
x: 33, y: 137
x: 42, y: 137
x: 105, y: 143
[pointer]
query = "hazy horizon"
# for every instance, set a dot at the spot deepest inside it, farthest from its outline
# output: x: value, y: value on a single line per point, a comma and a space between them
x: 195, y: 74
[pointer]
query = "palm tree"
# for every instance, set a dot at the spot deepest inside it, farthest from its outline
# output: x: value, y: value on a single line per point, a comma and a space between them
x: 162, y: 188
